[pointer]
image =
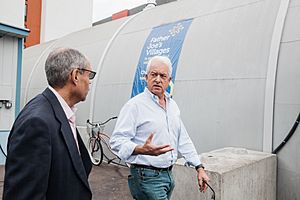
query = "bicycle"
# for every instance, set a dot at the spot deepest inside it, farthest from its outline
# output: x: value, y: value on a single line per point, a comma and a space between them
x: 99, y: 139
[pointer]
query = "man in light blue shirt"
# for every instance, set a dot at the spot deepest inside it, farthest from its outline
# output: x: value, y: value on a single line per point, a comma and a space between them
x: 149, y: 134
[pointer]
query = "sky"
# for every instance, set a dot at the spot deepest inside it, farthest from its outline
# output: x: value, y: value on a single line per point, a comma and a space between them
x: 105, y: 8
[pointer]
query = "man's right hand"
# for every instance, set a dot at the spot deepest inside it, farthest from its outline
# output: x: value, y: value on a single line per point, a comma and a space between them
x: 150, y: 149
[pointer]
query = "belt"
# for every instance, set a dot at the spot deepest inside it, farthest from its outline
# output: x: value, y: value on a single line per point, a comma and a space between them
x: 151, y: 167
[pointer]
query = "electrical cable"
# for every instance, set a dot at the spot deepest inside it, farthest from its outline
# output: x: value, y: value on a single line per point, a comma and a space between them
x: 213, y: 196
x: 2, y: 151
x: 290, y: 134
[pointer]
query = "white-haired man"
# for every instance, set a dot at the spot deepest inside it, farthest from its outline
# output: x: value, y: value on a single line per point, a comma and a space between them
x: 149, y: 134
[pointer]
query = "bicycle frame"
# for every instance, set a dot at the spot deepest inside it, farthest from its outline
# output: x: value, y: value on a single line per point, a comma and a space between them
x: 97, y: 137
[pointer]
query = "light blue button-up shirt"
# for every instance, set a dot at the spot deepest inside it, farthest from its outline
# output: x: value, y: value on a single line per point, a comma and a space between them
x: 143, y: 115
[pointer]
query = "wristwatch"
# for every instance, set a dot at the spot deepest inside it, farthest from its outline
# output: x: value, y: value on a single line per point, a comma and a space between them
x: 199, y: 166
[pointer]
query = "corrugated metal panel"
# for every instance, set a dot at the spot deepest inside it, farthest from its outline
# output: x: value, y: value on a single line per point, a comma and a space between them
x: 8, y: 66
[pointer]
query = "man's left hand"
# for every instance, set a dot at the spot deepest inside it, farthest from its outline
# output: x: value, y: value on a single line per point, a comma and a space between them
x: 202, y: 178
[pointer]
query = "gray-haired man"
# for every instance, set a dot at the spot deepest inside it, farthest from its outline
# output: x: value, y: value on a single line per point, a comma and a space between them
x: 46, y: 158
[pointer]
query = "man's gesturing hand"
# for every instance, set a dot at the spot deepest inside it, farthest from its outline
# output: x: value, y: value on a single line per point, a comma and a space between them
x: 150, y: 149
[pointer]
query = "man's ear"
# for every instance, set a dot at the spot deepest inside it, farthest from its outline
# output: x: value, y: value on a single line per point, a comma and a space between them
x: 74, y: 76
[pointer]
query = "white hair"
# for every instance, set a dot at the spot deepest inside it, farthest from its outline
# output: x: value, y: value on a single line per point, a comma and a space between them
x: 165, y: 60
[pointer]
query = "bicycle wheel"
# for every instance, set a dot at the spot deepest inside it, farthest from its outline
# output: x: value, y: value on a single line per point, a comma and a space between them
x: 96, y: 151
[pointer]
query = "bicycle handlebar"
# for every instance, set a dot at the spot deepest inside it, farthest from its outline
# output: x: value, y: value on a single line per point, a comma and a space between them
x: 101, y: 124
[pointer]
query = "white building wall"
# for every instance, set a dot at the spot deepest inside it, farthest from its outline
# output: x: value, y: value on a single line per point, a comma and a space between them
x: 12, y: 31
x: 12, y: 12
x: 8, y: 69
x: 60, y: 18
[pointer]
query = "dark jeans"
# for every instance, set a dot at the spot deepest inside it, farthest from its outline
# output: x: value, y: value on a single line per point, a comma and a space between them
x: 150, y: 184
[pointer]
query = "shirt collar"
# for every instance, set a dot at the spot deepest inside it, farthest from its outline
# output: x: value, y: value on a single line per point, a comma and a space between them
x: 67, y: 110
x: 155, y: 97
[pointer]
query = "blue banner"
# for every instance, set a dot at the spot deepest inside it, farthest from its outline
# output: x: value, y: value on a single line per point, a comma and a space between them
x: 164, y: 40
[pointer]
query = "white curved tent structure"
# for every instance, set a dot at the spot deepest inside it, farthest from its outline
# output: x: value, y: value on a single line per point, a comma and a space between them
x: 237, y: 81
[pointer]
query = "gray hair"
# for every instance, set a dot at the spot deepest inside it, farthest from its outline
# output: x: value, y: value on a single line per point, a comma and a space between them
x: 60, y: 63
x: 163, y: 59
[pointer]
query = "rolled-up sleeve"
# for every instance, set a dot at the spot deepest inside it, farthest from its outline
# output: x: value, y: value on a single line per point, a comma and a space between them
x: 125, y: 130
x: 187, y: 148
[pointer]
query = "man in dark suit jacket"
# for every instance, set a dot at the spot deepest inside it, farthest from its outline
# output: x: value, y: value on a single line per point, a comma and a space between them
x: 46, y: 157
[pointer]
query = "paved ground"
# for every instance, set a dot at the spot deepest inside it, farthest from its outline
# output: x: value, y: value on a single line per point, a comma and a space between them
x: 107, y: 182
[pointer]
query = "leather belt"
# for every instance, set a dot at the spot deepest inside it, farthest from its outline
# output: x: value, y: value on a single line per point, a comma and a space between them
x: 151, y: 167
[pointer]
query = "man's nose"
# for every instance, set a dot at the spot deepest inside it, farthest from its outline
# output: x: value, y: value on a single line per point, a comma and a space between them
x: 158, y: 78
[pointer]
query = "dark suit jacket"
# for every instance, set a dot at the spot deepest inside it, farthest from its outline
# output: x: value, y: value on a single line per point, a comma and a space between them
x: 43, y: 161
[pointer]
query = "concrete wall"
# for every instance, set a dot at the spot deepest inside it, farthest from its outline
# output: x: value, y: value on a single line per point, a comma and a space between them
x: 235, y: 174
x: 56, y: 23
x: 12, y: 12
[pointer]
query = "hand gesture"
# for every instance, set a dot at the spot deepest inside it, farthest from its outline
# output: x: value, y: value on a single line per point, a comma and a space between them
x: 151, y: 149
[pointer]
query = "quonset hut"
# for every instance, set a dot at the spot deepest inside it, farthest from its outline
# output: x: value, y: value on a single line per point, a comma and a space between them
x: 237, y: 72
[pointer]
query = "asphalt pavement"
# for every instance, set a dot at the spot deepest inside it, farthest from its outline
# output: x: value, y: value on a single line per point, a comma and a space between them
x: 108, y: 182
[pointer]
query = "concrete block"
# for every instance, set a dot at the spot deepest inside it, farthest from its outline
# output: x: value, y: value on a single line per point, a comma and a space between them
x: 235, y: 174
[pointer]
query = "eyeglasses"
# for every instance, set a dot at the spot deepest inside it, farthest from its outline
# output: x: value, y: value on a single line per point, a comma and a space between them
x: 92, y: 74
